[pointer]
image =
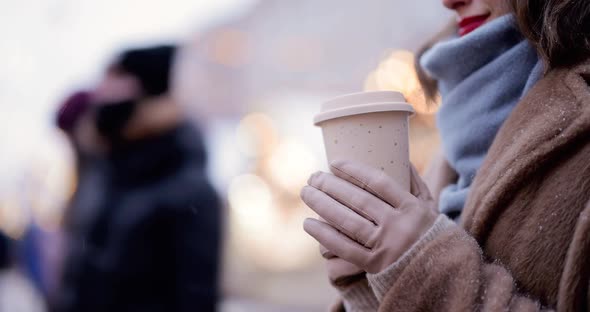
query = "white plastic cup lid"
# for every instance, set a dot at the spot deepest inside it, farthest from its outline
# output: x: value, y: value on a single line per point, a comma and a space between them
x: 363, y: 103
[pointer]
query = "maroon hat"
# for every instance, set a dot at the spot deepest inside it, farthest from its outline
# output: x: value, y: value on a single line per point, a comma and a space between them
x: 72, y: 109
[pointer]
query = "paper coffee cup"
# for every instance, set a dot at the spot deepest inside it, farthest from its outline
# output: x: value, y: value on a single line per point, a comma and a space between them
x: 369, y: 127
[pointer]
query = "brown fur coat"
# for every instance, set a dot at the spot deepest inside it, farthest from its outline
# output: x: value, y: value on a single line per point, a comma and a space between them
x: 525, y: 241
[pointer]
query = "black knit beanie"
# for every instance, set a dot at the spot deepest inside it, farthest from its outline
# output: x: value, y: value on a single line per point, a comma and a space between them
x: 151, y: 66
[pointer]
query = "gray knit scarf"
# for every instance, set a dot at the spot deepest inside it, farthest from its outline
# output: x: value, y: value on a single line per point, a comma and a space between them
x: 481, y: 76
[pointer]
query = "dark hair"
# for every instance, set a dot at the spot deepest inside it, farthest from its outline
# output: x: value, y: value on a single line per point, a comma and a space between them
x: 559, y: 30
x: 429, y: 85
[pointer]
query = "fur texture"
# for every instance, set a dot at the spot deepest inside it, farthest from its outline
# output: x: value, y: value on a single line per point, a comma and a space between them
x: 525, y: 245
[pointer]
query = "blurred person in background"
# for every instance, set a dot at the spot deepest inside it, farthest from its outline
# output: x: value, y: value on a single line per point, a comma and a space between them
x: 5, y: 254
x: 17, y: 293
x: 514, y: 173
x: 42, y: 250
x: 149, y: 239
x: 5, y: 243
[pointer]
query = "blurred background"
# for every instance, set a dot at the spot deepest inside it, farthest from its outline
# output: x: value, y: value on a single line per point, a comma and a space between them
x: 251, y: 74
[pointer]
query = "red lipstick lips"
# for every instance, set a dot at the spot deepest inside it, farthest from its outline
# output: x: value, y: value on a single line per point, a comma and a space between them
x: 471, y: 23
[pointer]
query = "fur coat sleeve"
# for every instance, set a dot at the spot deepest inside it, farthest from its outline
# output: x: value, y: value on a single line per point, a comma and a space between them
x: 524, y: 243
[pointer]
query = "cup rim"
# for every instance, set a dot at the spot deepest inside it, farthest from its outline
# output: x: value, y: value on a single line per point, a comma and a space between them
x: 363, y: 103
x: 364, y: 109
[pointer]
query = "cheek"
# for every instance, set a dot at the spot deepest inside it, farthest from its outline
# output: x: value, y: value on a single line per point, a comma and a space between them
x: 497, y: 7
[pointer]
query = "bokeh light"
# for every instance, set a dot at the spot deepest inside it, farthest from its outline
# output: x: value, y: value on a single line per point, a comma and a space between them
x: 256, y: 135
x: 264, y: 234
x: 251, y: 73
x: 13, y: 218
x: 397, y: 73
x: 251, y: 201
x: 229, y: 47
x: 291, y: 164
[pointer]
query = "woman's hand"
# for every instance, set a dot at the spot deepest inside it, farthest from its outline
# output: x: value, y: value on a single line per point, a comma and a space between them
x: 340, y: 272
x: 370, y: 220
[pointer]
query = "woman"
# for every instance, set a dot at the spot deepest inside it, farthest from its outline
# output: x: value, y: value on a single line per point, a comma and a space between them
x: 523, y: 241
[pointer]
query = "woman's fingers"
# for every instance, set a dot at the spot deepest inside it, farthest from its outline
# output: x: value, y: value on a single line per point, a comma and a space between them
x: 338, y: 243
x: 371, y: 179
x: 350, y: 195
x: 417, y: 186
x: 323, y: 250
x: 340, y: 216
x: 326, y: 253
x: 342, y: 272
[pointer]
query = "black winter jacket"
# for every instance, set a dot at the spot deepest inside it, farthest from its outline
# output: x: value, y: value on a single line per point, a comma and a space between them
x: 149, y: 239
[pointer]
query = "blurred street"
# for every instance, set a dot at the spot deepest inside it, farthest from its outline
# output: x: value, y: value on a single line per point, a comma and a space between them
x: 249, y: 74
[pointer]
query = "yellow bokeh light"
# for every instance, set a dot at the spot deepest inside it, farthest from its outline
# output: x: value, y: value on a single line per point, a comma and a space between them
x: 256, y: 135
x: 13, y: 217
x: 251, y: 202
x: 229, y: 47
x: 261, y: 232
x: 397, y: 73
x: 291, y: 164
